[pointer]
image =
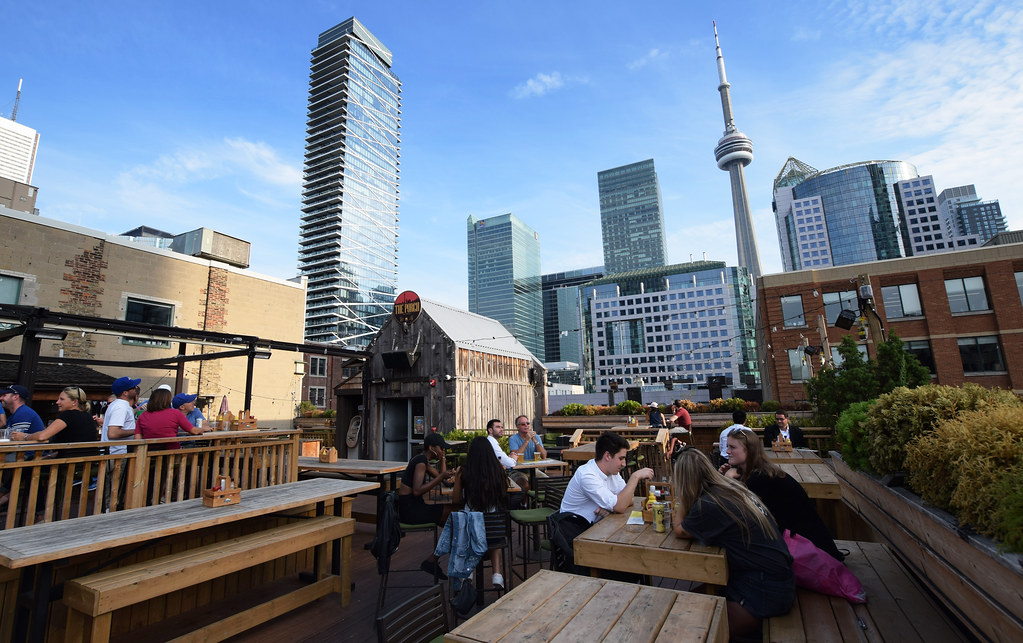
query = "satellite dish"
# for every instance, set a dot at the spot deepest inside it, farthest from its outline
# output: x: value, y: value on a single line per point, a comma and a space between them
x: 352, y: 439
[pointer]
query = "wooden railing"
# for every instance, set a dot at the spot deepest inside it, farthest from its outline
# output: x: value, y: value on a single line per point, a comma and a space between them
x: 54, y: 487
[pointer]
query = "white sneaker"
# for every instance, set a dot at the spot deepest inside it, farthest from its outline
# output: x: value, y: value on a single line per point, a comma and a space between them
x: 498, y: 581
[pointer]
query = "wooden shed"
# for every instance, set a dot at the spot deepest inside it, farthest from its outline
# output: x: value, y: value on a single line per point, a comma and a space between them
x: 449, y: 369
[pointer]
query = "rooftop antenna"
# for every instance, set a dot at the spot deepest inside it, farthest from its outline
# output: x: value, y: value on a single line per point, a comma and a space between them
x: 17, y: 99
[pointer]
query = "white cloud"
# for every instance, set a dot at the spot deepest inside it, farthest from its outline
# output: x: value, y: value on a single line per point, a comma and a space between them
x: 651, y: 56
x: 538, y: 85
x: 803, y: 34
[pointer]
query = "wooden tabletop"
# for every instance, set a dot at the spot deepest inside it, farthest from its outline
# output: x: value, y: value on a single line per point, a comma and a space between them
x: 795, y: 456
x: 818, y: 479
x: 350, y: 466
x: 587, y: 450
x: 51, y: 541
x: 567, y: 607
x: 639, y: 549
x: 540, y: 464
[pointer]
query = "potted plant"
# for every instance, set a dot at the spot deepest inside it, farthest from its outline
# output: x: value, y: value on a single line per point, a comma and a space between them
x: 306, y: 408
x: 328, y: 417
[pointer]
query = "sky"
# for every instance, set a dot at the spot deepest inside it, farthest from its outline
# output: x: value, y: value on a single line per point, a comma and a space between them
x: 178, y: 115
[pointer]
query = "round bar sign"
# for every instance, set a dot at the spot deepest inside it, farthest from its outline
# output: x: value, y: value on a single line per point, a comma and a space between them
x: 407, y: 307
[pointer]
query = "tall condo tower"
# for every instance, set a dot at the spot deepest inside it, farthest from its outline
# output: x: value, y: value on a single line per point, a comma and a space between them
x: 733, y: 152
x: 348, y: 246
x: 504, y: 277
x: 631, y: 220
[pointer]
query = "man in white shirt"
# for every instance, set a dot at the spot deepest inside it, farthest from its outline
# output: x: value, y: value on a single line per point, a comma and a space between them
x: 119, y: 424
x: 597, y: 489
x: 738, y: 422
x: 495, y: 429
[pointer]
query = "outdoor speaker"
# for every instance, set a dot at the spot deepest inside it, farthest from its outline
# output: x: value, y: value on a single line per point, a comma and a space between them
x: 399, y: 359
x: 845, y: 320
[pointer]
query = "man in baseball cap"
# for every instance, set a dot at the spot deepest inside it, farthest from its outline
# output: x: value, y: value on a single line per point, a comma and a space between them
x: 119, y: 424
x: 22, y: 418
x: 186, y: 404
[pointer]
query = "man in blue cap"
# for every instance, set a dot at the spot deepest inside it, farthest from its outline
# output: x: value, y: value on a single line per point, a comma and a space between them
x: 21, y: 417
x: 119, y: 424
x: 186, y: 404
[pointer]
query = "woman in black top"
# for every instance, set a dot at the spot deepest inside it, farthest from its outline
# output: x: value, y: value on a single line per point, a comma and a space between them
x: 73, y: 424
x: 784, y: 497
x: 412, y: 508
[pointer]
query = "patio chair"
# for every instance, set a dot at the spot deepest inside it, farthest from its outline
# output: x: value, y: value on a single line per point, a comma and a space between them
x: 530, y: 521
x: 390, y: 530
x: 423, y: 617
x: 498, y: 528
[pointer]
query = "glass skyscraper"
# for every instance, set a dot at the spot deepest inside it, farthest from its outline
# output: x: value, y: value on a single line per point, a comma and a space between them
x: 841, y: 216
x: 504, y: 277
x: 348, y: 245
x: 631, y: 219
x: 562, y: 326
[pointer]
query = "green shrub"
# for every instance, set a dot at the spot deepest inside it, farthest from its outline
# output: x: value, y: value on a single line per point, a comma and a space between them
x: 1008, y: 518
x: 572, y: 409
x: 629, y: 407
x: 958, y: 465
x: 904, y: 414
x: 852, y: 437
x: 770, y: 406
x: 689, y: 405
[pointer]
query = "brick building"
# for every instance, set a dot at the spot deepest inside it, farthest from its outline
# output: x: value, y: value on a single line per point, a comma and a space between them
x: 74, y: 270
x: 959, y: 313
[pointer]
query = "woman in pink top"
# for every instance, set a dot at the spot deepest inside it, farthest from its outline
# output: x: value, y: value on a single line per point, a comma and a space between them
x: 159, y: 420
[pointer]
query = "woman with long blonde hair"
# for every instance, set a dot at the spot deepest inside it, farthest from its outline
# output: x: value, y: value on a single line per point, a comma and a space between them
x: 719, y: 511
x: 72, y: 424
x: 784, y: 497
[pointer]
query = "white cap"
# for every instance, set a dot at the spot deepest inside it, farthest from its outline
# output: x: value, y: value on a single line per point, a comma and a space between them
x: 164, y: 387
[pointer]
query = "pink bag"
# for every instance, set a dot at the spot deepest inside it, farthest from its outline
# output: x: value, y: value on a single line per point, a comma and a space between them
x: 815, y: 569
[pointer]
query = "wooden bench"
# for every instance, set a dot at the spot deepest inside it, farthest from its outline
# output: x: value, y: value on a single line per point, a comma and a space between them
x: 643, y: 434
x: 897, y: 608
x: 92, y: 599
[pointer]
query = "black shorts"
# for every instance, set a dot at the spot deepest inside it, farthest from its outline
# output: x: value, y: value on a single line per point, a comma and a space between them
x: 413, y: 510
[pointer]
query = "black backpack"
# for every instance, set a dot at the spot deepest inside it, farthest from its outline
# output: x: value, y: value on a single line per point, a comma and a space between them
x: 563, y: 528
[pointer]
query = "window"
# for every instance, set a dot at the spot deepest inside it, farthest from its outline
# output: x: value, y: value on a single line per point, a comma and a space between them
x: 318, y: 396
x: 148, y: 312
x: 318, y: 366
x: 797, y: 364
x: 1019, y: 284
x: 901, y: 301
x: 837, y: 359
x: 792, y: 311
x: 966, y: 295
x: 10, y: 289
x: 836, y: 302
x: 981, y: 354
x: 921, y: 350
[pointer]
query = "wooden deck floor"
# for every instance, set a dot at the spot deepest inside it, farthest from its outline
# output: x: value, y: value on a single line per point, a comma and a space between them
x: 324, y: 620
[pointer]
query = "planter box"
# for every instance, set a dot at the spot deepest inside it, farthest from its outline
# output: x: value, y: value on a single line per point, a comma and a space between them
x: 980, y: 586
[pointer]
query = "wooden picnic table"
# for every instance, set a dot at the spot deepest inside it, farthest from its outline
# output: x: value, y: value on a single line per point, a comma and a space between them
x: 384, y: 471
x: 555, y: 606
x: 639, y: 549
x: 533, y: 465
x: 818, y: 479
x: 795, y: 456
x: 36, y: 548
x: 586, y: 451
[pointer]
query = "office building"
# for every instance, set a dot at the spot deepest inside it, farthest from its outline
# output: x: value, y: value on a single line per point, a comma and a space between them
x: 504, y: 277
x: 562, y: 324
x: 18, y: 146
x: 966, y: 215
x: 923, y: 230
x: 734, y: 152
x: 631, y: 217
x: 960, y: 313
x: 844, y: 215
x: 674, y: 325
x: 348, y: 246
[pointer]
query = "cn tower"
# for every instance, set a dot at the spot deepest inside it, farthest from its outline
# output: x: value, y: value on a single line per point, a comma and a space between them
x: 733, y: 152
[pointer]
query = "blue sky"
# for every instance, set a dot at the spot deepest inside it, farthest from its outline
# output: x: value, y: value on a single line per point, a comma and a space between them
x: 184, y: 114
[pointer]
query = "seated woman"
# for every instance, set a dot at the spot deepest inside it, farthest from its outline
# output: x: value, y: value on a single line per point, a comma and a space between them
x: 72, y: 424
x: 160, y: 420
x: 719, y: 511
x: 412, y: 507
x: 784, y: 497
x: 483, y: 485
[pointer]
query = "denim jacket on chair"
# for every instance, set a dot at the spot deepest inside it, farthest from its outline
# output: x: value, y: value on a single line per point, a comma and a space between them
x: 465, y: 538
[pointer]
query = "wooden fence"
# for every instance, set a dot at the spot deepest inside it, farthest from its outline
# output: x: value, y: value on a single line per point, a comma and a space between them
x: 53, y: 487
